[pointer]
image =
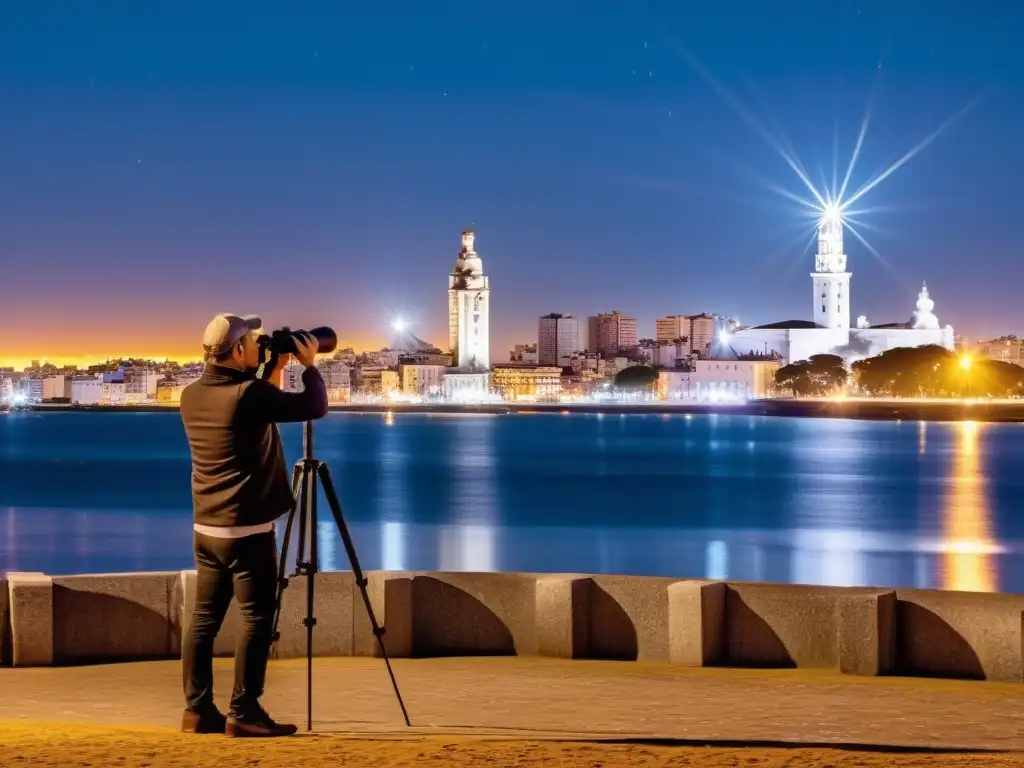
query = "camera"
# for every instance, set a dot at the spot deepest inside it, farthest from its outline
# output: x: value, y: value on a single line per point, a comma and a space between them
x: 282, y: 342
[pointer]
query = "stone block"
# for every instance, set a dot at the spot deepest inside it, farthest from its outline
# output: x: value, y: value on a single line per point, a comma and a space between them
x: 466, y: 614
x: 113, y: 617
x: 563, y: 616
x: 332, y: 608
x: 960, y: 634
x: 30, y: 597
x: 5, y: 625
x: 866, y: 623
x: 629, y: 618
x: 696, y: 619
x: 780, y: 625
x: 391, y: 597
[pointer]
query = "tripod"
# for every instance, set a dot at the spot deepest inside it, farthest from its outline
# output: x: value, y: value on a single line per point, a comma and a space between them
x: 305, y: 475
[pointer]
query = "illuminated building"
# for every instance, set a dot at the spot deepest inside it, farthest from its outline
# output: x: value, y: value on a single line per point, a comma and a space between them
x: 698, y: 331
x: 558, y: 338
x: 531, y: 383
x: 830, y: 331
x: 56, y: 387
x: 114, y: 393
x: 422, y: 380
x: 702, y: 333
x: 584, y: 383
x: 87, y: 390
x: 1008, y: 349
x: 29, y: 388
x: 671, y: 328
x: 720, y: 380
x: 469, y: 298
x: 467, y: 388
x: 608, y: 333
x: 336, y: 375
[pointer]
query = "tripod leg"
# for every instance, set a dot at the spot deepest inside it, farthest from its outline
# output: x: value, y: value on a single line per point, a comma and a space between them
x: 357, y: 572
x: 282, y: 580
x: 312, y: 564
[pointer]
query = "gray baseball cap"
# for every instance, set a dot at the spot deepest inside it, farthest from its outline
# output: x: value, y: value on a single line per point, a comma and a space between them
x: 226, y: 330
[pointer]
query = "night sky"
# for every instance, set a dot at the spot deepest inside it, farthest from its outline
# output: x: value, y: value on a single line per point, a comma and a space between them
x: 163, y: 161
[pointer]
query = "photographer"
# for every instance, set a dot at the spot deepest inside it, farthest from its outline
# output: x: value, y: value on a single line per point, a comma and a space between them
x: 240, y: 485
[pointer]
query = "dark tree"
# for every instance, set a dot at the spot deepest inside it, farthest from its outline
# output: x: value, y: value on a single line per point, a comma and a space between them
x: 819, y: 375
x: 993, y: 378
x: 926, y: 371
x: 637, y: 378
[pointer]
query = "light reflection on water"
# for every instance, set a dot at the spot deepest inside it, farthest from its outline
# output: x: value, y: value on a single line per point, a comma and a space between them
x: 789, y: 500
x: 967, y: 562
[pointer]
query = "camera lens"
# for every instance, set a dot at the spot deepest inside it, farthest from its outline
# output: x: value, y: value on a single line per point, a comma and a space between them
x: 327, y: 338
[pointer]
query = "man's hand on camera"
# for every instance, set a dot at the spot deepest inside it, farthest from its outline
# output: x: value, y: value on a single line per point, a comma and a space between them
x: 277, y: 372
x: 305, y: 349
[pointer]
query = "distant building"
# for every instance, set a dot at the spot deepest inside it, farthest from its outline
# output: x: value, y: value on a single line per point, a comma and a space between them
x: 1008, y: 349
x: 582, y: 384
x: 558, y: 339
x: 702, y: 333
x: 530, y: 383
x: 378, y: 381
x: 666, y: 354
x: 457, y: 387
x: 720, y: 380
x: 421, y: 380
x: 469, y: 297
x: 608, y: 333
x: 56, y: 388
x: 114, y: 393
x: 30, y: 388
x: 86, y: 390
x: 335, y: 373
x: 671, y: 328
x: 169, y: 392
x: 141, y: 384
x: 830, y: 332
x: 523, y: 353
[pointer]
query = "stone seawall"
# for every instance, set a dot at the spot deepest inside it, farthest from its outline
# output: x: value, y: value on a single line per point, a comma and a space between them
x: 62, y: 620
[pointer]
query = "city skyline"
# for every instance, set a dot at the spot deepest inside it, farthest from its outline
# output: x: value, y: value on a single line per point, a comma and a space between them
x: 311, y: 170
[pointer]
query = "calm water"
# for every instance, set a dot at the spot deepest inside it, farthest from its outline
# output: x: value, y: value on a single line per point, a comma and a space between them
x: 795, y: 500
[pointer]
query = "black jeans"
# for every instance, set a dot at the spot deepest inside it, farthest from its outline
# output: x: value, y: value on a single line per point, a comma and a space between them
x: 246, y: 569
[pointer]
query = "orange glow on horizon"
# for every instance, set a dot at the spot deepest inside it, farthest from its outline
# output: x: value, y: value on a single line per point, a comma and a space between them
x: 100, y: 353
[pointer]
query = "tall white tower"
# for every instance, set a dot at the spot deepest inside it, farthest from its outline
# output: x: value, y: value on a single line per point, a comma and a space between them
x: 469, y: 309
x: 830, y: 278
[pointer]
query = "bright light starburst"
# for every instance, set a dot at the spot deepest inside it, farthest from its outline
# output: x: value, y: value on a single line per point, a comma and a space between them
x: 827, y: 205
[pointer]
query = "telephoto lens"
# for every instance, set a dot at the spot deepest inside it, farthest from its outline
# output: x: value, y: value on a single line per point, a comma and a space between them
x: 283, y: 341
x: 327, y: 338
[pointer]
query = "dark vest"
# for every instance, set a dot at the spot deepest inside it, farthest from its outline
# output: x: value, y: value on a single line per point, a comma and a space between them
x: 239, y: 475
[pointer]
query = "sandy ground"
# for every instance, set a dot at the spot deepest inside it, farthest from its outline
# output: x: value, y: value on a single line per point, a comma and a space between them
x: 52, y: 744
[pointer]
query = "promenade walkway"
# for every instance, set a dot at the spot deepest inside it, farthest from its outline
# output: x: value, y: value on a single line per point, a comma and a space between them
x: 518, y: 711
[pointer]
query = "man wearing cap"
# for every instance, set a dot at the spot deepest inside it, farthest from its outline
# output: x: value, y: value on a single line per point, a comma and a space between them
x: 240, y: 486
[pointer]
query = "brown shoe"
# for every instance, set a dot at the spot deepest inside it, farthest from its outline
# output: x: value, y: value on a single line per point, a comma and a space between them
x: 203, y: 721
x: 256, y: 725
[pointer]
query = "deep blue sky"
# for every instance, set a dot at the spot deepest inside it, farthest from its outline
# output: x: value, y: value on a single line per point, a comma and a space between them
x: 161, y: 161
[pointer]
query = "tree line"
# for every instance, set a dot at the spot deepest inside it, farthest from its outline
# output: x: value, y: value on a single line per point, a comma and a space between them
x: 926, y: 371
